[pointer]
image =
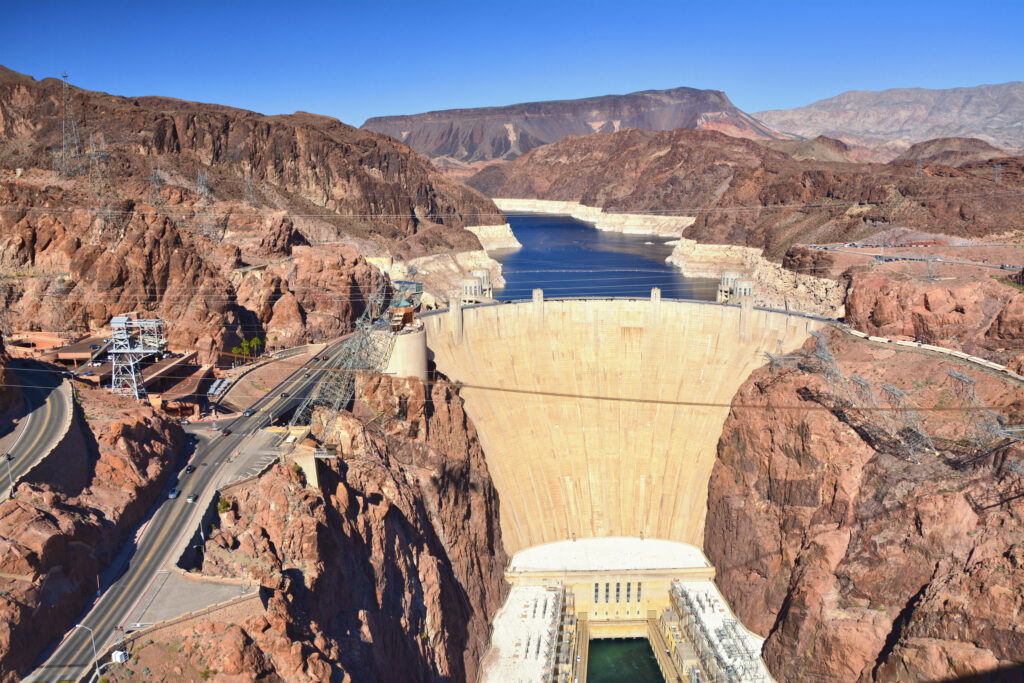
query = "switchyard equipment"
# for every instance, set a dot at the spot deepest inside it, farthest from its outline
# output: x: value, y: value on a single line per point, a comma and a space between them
x: 368, y: 348
x: 131, y: 341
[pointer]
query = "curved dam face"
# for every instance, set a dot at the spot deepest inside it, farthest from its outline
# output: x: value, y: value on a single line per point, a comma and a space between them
x: 590, y: 411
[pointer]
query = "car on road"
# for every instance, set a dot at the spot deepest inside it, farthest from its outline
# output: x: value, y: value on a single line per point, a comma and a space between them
x: 247, y: 413
x: 88, y: 373
x: 284, y: 394
x: 307, y: 374
x: 93, y: 347
x: 173, y: 493
x: 192, y: 498
x: 225, y: 432
x: 190, y: 469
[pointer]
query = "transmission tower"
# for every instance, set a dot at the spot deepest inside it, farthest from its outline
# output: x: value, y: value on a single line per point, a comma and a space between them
x: 131, y: 341
x: 997, y: 173
x: 250, y: 191
x: 367, y: 349
x: 156, y: 183
x: 912, y: 434
x: 985, y: 425
x: 68, y: 160
x: 204, y: 215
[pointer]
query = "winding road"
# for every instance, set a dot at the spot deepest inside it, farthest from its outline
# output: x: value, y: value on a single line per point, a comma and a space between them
x: 124, y: 587
x: 48, y: 400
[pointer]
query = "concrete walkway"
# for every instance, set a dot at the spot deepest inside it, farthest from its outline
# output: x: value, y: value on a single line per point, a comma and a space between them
x: 172, y: 595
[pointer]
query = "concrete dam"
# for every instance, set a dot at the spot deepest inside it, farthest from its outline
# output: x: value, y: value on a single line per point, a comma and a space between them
x: 601, y: 418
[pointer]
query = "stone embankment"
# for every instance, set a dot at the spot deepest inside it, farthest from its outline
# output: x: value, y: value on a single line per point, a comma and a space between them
x: 775, y: 286
x: 626, y: 223
x: 495, y: 236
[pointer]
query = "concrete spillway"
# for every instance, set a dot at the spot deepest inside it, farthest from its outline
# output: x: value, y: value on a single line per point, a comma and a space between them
x: 594, y: 415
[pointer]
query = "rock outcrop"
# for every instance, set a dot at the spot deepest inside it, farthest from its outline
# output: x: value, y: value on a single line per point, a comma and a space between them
x: 789, y: 286
x: 493, y: 237
x: 950, y: 152
x: 854, y: 563
x: 980, y: 316
x: 458, y: 138
x: 53, y: 545
x: 391, y: 571
x: 10, y: 395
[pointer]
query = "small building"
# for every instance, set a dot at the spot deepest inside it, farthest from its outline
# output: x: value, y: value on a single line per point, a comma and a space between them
x: 471, y: 290
x: 733, y: 287
x: 486, y: 289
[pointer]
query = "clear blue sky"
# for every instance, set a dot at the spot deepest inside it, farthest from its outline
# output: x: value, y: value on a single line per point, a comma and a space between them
x: 358, y: 59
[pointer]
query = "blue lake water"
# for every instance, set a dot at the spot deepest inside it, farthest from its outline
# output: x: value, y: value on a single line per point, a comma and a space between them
x: 569, y: 258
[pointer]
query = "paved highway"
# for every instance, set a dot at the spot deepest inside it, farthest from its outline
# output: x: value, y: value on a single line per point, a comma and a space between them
x: 49, y: 407
x: 174, y: 519
x: 945, y: 260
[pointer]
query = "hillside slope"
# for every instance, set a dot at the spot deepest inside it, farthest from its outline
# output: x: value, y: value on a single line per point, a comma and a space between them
x: 743, y: 193
x: 465, y: 136
x: 950, y: 152
x: 891, y: 120
x: 193, y: 212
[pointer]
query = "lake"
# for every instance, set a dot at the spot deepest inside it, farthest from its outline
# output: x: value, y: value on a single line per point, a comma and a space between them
x: 569, y: 258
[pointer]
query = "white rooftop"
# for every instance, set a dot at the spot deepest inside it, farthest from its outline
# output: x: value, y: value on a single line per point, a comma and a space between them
x: 612, y: 553
x: 523, y: 635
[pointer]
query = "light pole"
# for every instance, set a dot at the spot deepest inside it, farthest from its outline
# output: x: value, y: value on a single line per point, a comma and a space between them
x: 95, y: 657
x: 8, y: 457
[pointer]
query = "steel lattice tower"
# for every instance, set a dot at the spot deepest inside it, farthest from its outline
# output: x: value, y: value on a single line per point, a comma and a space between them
x: 368, y: 348
x: 131, y: 340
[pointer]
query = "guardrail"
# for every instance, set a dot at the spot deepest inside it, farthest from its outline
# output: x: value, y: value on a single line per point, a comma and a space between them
x: 990, y: 365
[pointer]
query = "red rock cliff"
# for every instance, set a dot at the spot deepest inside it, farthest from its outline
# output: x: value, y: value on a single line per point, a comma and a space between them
x: 53, y: 545
x: 391, y: 571
x: 855, y: 564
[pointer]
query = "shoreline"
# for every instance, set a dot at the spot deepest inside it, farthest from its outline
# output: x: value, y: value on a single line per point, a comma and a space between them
x: 774, y: 286
x: 626, y: 223
x: 494, y: 237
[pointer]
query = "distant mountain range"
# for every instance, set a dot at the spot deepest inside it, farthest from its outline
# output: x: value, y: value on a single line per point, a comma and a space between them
x: 876, y: 126
x: 889, y: 121
x: 466, y: 139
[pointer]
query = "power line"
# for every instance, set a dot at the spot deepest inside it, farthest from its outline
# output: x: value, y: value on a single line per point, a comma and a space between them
x: 440, y: 379
x: 683, y: 212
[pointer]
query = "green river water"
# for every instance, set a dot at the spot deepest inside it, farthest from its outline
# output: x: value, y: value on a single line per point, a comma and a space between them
x: 622, y: 661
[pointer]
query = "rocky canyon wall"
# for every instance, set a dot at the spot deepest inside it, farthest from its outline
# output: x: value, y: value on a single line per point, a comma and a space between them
x: 227, y: 224
x: 855, y: 562
x: 54, y: 543
x: 391, y: 571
